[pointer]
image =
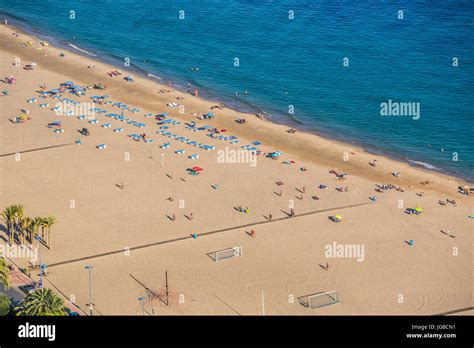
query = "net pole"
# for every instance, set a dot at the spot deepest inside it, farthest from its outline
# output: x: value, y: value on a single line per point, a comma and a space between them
x: 167, y: 292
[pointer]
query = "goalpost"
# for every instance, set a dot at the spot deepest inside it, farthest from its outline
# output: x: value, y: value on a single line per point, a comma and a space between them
x: 320, y: 299
x: 226, y: 253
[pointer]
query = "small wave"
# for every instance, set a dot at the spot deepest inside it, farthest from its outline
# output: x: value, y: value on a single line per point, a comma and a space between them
x: 82, y: 50
x: 423, y: 164
x: 154, y: 76
x: 295, y: 119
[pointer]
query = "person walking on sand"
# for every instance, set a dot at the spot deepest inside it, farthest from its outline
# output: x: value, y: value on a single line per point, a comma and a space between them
x: 121, y: 185
x: 191, y: 216
x: 173, y: 217
x: 253, y: 233
x: 270, y: 216
x: 304, y: 189
x: 292, y: 212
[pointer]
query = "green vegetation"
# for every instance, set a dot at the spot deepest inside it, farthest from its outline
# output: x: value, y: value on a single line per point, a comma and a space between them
x: 24, y: 229
x: 42, y: 302
x: 5, y: 305
x: 4, y: 273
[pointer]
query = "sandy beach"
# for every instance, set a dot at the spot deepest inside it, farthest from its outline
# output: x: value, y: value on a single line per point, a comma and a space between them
x: 115, y: 206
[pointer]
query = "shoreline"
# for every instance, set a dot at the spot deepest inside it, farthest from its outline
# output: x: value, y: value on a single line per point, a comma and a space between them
x: 301, y: 149
x: 142, y: 197
x: 237, y: 106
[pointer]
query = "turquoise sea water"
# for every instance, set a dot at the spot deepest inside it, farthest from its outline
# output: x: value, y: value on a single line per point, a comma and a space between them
x: 298, y: 62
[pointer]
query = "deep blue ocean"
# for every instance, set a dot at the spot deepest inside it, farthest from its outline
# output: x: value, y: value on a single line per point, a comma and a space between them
x: 298, y: 62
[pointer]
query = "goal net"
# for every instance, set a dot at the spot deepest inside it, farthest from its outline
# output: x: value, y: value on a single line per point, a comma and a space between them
x: 226, y: 253
x: 319, y: 299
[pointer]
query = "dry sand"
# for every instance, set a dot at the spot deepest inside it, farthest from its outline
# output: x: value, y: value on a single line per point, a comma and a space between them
x: 281, y: 262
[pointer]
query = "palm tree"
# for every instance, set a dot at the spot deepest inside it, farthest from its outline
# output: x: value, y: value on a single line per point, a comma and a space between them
x: 4, y: 273
x: 26, y: 228
x: 47, y: 223
x: 17, y: 217
x: 8, y: 216
x: 41, y: 302
x: 37, y: 222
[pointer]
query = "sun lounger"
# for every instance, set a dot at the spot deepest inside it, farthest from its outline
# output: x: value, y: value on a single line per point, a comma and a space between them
x: 101, y: 146
x: 118, y: 130
x: 106, y: 125
x: 94, y: 121
x: 178, y: 152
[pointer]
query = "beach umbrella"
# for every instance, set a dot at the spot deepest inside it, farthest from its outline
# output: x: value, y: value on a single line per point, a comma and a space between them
x: 419, y: 209
x: 68, y: 83
x: 338, y: 217
x: 25, y: 111
x: 198, y: 169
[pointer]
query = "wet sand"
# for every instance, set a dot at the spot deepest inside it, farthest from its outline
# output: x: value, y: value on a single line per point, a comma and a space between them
x: 78, y: 185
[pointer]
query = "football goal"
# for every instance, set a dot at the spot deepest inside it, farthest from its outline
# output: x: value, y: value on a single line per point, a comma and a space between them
x: 225, y: 253
x: 320, y: 299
